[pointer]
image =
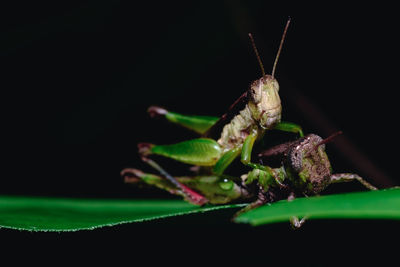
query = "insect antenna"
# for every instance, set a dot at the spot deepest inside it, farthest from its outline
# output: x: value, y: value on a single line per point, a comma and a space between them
x: 324, y: 141
x: 257, y: 55
x: 280, y: 47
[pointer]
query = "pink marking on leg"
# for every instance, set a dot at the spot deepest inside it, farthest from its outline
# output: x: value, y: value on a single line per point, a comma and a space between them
x: 193, y: 196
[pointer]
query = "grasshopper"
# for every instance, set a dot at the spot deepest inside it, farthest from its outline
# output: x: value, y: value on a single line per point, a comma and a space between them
x: 223, y: 139
x: 305, y: 170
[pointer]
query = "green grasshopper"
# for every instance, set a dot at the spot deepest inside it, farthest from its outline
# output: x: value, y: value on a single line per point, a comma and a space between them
x: 255, y: 111
x: 305, y: 170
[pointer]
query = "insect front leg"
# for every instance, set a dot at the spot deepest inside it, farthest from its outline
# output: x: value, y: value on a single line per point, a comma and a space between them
x: 198, y: 124
x: 226, y: 160
x: 264, y: 195
x: 261, y: 200
x: 295, y: 222
x: 289, y: 127
x: 349, y: 177
x: 246, y: 158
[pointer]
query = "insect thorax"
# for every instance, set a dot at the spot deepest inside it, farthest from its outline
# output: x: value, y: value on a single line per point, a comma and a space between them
x: 235, y: 132
x: 262, y: 112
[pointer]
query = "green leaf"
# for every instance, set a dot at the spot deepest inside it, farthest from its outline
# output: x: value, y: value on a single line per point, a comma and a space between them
x: 56, y: 214
x: 381, y: 204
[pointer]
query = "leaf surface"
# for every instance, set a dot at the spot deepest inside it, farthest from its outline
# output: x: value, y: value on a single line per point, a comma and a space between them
x: 62, y: 214
x: 381, y: 204
x: 57, y: 214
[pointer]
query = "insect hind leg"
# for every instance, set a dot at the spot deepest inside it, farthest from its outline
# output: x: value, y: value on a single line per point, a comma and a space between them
x: 191, y: 195
x: 198, y: 124
x: 135, y: 176
x: 200, y: 151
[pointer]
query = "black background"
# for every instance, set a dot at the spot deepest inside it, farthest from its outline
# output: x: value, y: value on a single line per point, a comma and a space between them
x: 77, y: 80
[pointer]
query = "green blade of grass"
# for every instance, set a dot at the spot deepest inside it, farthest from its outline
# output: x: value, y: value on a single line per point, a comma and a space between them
x: 381, y: 204
x: 56, y: 214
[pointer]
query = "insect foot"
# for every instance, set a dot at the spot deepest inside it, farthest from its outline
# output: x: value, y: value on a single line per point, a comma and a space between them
x: 296, y: 223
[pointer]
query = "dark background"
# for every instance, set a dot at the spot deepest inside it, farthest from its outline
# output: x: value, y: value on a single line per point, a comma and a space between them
x: 77, y: 80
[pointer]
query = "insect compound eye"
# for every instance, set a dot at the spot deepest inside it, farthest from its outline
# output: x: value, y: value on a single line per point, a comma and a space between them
x: 253, y: 94
x: 295, y: 159
x: 256, y: 91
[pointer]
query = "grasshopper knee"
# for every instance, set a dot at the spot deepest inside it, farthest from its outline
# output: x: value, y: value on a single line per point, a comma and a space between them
x: 132, y: 175
x: 245, y: 160
x: 156, y: 112
x: 144, y: 149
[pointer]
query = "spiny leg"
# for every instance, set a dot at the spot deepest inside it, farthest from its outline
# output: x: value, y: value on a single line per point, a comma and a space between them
x: 349, y: 177
x: 199, y: 124
x: 217, y: 189
x: 191, y: 195
x: 135, y: 176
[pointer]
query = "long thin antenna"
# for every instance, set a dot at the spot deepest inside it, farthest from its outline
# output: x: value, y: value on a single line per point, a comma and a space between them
x: 257, y: 55
x: 324, y: 141
x: 280, y: 47
x: 329, y: 138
